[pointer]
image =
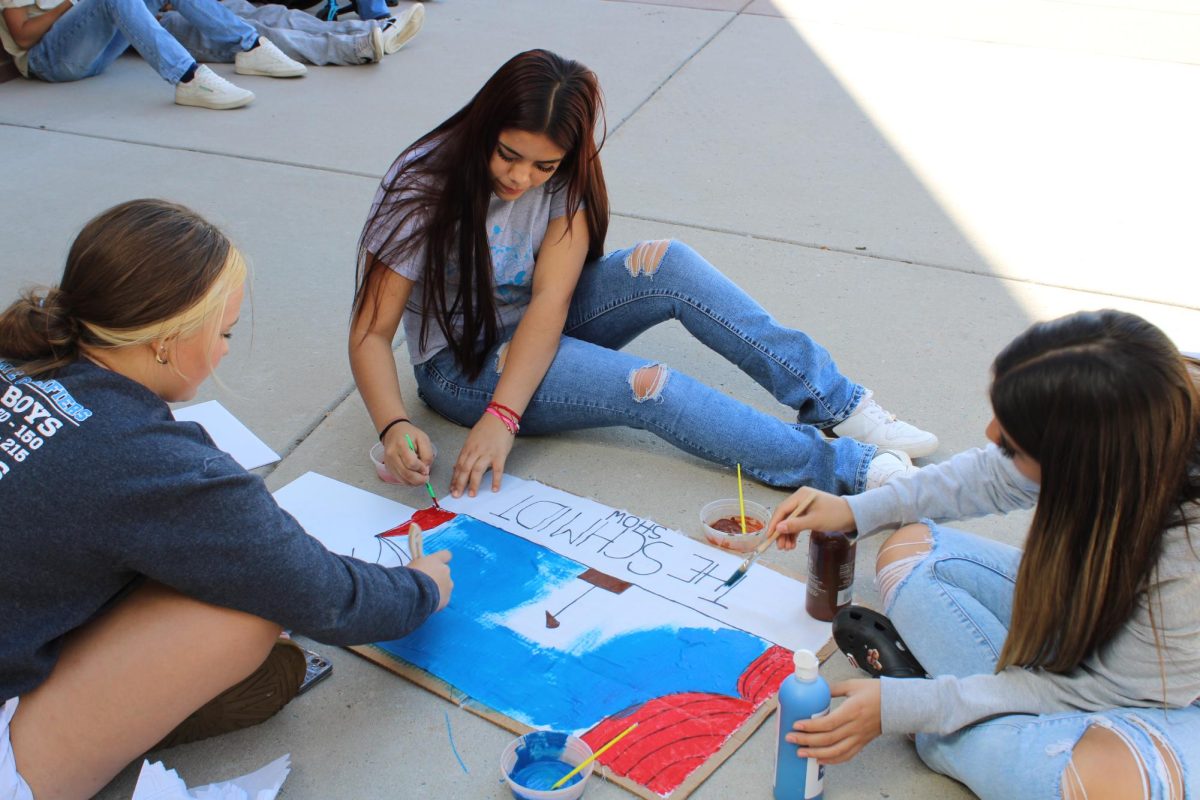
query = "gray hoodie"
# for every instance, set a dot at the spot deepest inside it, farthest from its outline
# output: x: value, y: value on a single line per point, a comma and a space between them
x: 1129, y: 671
x: 100, y: 489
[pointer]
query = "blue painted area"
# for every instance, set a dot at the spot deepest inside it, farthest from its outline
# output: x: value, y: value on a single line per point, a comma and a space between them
x: 495, y: 572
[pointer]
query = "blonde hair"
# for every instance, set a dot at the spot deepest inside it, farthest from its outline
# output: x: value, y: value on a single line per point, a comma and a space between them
x: 187, y: 322
x: 142, y: 271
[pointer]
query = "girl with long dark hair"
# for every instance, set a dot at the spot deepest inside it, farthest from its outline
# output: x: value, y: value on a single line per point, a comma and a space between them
x: 1071, y: 669
x: 486, y: 239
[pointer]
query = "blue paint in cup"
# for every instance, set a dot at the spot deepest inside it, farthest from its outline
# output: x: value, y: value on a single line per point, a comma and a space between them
x: 537, y: 760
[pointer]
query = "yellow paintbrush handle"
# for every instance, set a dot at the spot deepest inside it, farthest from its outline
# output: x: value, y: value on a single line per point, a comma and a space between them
x: 593, y: 757
x: 741, y: 500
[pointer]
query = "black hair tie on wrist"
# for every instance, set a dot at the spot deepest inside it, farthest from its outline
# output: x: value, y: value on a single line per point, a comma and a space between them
x: 388, y: 427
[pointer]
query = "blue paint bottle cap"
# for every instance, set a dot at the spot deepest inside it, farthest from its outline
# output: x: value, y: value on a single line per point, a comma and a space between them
x: 807, y: 665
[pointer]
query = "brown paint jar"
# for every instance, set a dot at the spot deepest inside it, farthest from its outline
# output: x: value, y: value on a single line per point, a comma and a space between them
x: 830, y: 574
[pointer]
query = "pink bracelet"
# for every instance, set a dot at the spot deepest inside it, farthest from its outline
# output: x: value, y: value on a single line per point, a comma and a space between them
x: 512, y: 426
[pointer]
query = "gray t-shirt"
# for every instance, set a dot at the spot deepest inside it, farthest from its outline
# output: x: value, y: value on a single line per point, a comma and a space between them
x: 1130, y: 670
x: 515, y: 231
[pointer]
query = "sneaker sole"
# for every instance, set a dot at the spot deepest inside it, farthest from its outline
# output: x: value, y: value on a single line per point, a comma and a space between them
x: 198, y: 102
x: 412, y: 25
x: 256, y: 699
x: 915, y: 450
x: 262, y: 73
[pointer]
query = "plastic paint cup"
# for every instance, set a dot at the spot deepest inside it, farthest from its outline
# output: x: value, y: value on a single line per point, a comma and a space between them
x: 381, y: 469
x: 532, y: 763
x: 725, y: 509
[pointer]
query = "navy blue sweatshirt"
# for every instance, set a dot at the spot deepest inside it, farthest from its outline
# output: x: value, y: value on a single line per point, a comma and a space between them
x: 100, y: 488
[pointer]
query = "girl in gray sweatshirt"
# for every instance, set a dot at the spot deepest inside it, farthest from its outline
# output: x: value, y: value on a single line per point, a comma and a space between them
x: 1070, y: 668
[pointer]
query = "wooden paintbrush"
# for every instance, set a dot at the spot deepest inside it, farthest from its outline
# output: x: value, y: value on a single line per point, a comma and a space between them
x: 740, y: 572
x: 416, y: 541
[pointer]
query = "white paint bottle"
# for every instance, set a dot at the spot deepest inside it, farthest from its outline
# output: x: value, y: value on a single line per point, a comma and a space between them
x: 802, y: 695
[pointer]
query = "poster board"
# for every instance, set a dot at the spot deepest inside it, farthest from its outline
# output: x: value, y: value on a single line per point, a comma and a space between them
x: 571, y: 615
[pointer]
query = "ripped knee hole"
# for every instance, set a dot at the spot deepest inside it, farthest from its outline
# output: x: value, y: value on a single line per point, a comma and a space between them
x: 646, y: 257
x: 647, y: 382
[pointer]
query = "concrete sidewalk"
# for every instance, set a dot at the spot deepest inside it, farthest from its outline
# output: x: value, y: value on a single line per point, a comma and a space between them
x: 911, y: 184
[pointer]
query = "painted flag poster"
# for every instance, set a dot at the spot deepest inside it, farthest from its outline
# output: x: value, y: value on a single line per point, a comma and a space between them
x: 573, y: 616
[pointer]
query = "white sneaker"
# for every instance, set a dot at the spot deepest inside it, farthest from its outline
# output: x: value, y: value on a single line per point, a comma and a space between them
x: 886, y: 465
x: 268, y: 60
x: 398, y: 31
x: 870, y: 424
x: 207, y: 89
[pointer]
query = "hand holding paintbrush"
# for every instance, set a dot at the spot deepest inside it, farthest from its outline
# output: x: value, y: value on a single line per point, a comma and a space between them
x: 821, y: 512
x: 771, y: 537
x: 428, y: 485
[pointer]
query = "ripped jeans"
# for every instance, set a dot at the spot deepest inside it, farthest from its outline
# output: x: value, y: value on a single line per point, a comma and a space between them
x: 593, y: 384
x: 953, y: 609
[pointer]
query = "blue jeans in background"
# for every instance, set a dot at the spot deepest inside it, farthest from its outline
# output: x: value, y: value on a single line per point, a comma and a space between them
x: 89, y: 37
x: 297, y: 33
x: 590, y: 382
x: 953, y: 611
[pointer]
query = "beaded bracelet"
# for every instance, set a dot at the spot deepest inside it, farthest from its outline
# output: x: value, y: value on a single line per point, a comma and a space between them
x: 389, y: 426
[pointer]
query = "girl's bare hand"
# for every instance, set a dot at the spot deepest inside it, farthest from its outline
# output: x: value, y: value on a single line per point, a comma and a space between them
x: 842, y: 733
x: 437, y: 566
x: 408, y: 467
x: 827, y: 512
x: 487, y: 447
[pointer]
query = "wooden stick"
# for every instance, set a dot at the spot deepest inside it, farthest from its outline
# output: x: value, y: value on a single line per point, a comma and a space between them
x: 741, y: 500
x: 416, y: 541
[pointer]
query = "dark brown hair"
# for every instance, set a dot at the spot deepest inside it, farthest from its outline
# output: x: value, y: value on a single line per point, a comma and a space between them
x: 142, y: 270
x: 437, y: 203
x: 1105, y: 404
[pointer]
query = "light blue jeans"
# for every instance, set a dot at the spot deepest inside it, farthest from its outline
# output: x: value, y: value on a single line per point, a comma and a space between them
x: 89, y: 37
x: 953, y: 611
x: 590, y: 383
x: 297, y: 33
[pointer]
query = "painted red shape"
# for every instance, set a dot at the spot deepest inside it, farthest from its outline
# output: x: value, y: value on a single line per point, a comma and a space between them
x: 427, y: 518
x: 760, y: 681
x: 677, y: 733
x: 430, y: 518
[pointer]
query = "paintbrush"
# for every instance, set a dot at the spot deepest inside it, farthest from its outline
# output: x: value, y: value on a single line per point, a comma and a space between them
x: 740, y: 572
x: 592, y: 757
x: 428, y: 485
x: 416, y: 541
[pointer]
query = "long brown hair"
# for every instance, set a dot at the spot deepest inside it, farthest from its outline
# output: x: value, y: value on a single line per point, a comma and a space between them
x: 437, y: 203
x: 140, y: 271
x: 1104, y: 402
